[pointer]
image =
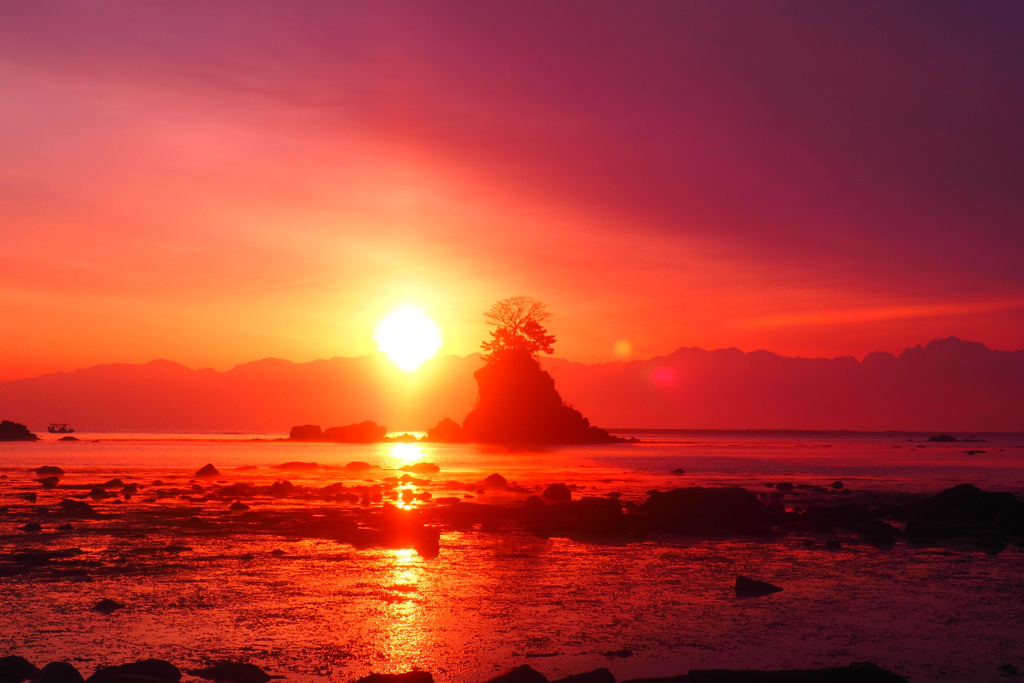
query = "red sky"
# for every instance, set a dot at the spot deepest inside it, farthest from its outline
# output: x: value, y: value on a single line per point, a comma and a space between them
x: 219, y: 182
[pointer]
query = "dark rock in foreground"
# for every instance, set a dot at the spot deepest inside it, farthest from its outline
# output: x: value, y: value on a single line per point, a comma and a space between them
x: 407, y: 677
x: 964, y: 510
x: 142, y: 671
x: 520, y: 674
x: 699, y: 510
x: 15, y: 431
x: 943, y: 438
x: 858, y: 672
x: 601, y: 675
x: 107, y: 606
x: 58, y: 672
x: 752, y: 588
x: 232, y: 672
x: 15, y: 669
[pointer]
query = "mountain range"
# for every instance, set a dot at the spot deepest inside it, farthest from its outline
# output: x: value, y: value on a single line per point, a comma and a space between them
x: 946, y: 385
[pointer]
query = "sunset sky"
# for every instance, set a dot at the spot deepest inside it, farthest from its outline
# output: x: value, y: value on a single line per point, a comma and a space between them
x: 217, y: 182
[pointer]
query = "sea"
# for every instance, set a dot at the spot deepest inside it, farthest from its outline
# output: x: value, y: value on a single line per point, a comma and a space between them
x: 315, y: 609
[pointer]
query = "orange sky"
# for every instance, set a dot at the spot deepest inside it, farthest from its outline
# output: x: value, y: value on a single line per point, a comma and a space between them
x: 219, y: 184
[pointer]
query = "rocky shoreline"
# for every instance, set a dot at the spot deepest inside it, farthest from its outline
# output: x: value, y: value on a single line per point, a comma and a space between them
x: 16, y: 669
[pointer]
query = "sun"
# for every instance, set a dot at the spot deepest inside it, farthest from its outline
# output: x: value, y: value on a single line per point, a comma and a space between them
x: 408, y: 336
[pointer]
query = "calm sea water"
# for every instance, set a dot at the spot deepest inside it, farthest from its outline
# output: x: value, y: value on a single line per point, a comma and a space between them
x: 325, y: 611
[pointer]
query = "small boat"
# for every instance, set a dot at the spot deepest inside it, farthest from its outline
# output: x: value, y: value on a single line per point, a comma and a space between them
x: 60, y: 428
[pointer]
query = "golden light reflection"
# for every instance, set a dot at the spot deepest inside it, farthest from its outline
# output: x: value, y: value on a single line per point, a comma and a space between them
x: 405, y: 453
x: 406, y: 638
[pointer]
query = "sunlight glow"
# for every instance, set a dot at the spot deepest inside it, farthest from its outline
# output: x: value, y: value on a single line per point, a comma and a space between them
x: 408, y: 336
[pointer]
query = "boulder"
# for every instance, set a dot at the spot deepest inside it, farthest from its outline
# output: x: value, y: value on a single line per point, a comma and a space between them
x: 107, y: 606
x: 446, y: 431
x: 48, y: 470
x: 15, y: 669
x: 495, y: 481
x: 858, y: 672
x: 601, y: 675
x: 358, y: 466
x: 208, y: 471
x: 367, y: 431
x: 557, y: 493
x: 142, y: 671
x: 521, y: 674
x: 751, y: 588
x: 58, y: 672
x: 232, y: 672
x: 306, y: 433
x: 699, y: 510
x: 407, y: 677
x: 15, y: 431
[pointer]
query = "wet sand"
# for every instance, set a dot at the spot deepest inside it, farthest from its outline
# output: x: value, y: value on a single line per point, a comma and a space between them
x: 304, y: 584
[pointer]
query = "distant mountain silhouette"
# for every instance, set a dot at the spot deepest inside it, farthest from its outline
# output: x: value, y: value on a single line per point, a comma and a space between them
x: 947, y: 385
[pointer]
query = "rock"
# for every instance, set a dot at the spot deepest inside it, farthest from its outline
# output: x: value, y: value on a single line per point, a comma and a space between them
x: 58, y: 672
x: 858, y: 672
x: 358, y: 466
x: 677, y: 471
x: 238, y: 506
x: 963, y: 509
x: 557, y: 493
x: 749, y: 588
x: 99, y: 493
x: 833, y: 544
x: 601, y: 675
x: 621, y: 654
x: 30, y: 496
x: 68, y: 438
x: 142, y: 671
x: 407, y: 677
x: 784, y: 486
x: 421, y: 468
x: 446, y: 431
x: 306, y: 433
x: 15, y: 431
x: 367, y: 431
x: 837, y: 485
x: 15, y: 669
x: 232, y: 672
x: 1009, y: 670
x: 48, y: 470
x: 78, y: 508
x: 298, y: 466
x: 49, y: 482
x: 699, y: 510
x: 31, y: 528
x: 495, y: 481
x: 208, y: 471
x: 943, y: 438
x: 518, y: 404
x: 107, y: 606
x: 521, y: 674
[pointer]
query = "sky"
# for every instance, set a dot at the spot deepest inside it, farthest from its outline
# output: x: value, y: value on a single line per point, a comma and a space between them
x: 215, y: 183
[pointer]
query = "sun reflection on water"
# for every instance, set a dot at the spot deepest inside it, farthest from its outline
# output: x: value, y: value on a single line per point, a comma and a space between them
x: 406, y: 636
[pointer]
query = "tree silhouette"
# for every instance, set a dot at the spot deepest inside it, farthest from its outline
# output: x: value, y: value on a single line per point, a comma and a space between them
x: 517, y: 321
